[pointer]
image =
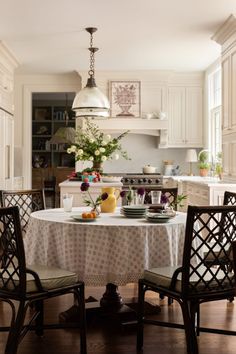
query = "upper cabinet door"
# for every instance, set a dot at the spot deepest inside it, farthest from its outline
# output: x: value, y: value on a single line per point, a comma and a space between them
x: 233, y: 89
x: 194, y: 131
x: 176, y: 116
x: 185, y: 117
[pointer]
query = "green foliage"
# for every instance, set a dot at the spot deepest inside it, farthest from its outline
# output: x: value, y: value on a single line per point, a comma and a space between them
x: 93, y: 145
x: 179, y: 200
x: 218, y: 165
x: 203, y: 160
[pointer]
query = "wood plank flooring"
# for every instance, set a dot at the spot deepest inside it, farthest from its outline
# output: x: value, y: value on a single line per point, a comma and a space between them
x: 106, y: 337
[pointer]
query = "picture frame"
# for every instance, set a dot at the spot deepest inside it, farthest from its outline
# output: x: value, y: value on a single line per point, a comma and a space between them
x: 42, y: 113
x: 125, y: 98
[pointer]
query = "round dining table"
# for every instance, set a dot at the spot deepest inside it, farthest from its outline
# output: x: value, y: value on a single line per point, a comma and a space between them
x: 112, y: 249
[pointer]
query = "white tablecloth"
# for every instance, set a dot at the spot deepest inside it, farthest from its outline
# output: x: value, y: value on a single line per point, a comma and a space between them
x: 113, y: 249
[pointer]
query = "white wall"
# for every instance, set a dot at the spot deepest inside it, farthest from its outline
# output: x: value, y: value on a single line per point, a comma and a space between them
x: 154, y: 96
x: 142, y: 149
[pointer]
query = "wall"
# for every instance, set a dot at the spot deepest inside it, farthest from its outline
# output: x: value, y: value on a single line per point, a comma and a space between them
x: 154, y: 96
x: 142, y: 149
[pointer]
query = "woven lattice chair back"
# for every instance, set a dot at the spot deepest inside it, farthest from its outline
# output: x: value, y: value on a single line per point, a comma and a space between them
x: 218, y: 224
x: 28, y: 201
x: 12, y: 256
x: 229, y: 198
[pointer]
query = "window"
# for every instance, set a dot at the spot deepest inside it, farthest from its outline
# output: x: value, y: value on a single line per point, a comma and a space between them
x: 215, y: 140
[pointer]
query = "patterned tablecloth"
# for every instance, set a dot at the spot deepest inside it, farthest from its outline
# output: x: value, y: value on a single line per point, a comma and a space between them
x: 113, y: 249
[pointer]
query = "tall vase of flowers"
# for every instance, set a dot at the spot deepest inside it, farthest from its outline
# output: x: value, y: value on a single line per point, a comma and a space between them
x: 93, y: 145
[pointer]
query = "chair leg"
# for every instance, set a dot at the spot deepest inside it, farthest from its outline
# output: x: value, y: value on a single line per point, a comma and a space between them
x: 140, y: 315
x: 189, y: 326
x: 198, y: 321
x: 82, y: 320
x: 40, y: 318
x: 15, y: 330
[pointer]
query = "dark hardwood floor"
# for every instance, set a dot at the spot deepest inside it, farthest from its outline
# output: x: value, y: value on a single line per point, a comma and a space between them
x: 107, y: 337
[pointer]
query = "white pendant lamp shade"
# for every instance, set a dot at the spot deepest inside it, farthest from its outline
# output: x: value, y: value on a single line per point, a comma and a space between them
x: 90, y: 101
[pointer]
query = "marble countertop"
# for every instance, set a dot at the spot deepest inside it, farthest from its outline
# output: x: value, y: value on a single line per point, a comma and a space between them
x: 68, y: 183
x: 202, y: 180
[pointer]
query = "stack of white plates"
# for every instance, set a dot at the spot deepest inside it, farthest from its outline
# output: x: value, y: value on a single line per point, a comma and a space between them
x: 134, y: 211
x: 158, y: 218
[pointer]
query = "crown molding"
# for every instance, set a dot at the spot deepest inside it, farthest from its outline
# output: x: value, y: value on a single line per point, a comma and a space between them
x: 225, y: 31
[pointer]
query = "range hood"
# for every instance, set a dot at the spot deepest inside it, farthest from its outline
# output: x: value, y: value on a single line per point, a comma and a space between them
x: 153, y: 127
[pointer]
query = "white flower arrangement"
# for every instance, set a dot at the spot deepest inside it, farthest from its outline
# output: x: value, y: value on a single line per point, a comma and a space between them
x: 93, y: 145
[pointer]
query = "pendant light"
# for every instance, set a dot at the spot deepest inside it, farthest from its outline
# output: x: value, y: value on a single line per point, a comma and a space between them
x: 90, y: 101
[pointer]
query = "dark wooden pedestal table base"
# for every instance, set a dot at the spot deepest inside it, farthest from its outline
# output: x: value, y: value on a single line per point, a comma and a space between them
x: 111, y: 306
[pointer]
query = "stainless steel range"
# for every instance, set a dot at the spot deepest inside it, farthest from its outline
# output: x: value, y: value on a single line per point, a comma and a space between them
x: 150, y: 181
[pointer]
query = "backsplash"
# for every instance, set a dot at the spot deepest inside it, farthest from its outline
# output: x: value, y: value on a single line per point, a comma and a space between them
x: 143, y: 151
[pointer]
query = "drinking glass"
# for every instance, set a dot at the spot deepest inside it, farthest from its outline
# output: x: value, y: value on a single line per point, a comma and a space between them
x: 67, y: 200
x: 156, y: 197
x: 138, y: 199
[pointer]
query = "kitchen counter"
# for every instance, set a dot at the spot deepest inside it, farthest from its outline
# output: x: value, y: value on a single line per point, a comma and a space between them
x: 202, y: 180
x: 201, y: 190
x: 73, y: 187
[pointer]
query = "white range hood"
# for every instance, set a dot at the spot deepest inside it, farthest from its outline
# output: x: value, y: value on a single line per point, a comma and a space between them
x: 153, y: 127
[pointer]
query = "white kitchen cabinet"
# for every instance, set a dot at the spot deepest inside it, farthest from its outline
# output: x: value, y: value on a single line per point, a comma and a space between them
x: 6, y: 150
x: 204, y: 193
x: 226, y: 37
x: 7, y: 67
x: 185, y: 117
x: 229, y: 91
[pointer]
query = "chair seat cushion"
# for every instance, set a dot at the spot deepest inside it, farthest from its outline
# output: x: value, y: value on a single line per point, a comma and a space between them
x: 162, y: 277
x: 50, y: 277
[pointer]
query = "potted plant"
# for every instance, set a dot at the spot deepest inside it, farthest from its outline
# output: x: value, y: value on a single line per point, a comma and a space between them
x: 218, y: 165
x: 204, y: 165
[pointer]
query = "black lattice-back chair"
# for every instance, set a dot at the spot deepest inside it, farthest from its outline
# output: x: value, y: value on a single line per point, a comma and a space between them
x: 21, y: 286
x: 170, y: 193
x: 27, y: 200
x: 194, y: 281
x: 229, y: 198
x: 234, y: 258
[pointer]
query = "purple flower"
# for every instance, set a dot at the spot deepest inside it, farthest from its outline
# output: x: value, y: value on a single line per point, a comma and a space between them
x: 84, y: 186
x: 123, y: 194
x: 141, y: 191
x: 104, y: 196
x: 164, y: 199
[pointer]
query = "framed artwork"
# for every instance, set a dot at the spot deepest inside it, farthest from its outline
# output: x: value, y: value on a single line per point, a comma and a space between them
x: 125, y: 98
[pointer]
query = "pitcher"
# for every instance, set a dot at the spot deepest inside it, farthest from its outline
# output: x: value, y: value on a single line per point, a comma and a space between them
x: 109, y: 205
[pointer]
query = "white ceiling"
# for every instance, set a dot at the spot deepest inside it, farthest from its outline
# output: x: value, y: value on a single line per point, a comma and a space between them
x: 48, y: 36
